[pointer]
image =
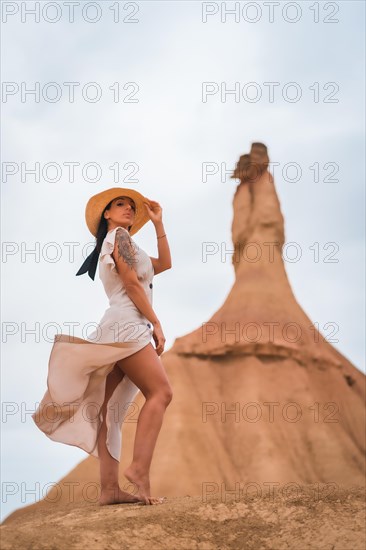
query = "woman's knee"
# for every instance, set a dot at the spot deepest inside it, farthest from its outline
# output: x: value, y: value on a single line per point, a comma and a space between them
x: 168, y: 395
x: 163, y: 394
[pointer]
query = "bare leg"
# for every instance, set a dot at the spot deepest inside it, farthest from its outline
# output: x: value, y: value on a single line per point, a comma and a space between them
x: 111, y: 493
x: 146, y: 371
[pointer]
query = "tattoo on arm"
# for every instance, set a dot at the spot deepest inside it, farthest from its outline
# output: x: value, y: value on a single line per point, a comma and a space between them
x: 125, y: 248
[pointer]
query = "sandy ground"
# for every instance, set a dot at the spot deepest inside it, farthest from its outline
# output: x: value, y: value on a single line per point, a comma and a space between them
x: 304, y: 519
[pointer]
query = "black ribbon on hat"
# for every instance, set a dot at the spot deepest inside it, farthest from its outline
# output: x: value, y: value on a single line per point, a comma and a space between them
x: 90, y: 264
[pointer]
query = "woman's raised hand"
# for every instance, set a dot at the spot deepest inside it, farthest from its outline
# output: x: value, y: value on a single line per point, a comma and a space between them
x: 154, y: 211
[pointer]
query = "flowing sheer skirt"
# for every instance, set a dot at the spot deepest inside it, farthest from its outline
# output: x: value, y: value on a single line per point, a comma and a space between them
x: 70, y: 411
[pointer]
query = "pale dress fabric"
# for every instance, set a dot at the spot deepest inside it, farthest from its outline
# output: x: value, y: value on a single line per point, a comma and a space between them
x: 70, y: 411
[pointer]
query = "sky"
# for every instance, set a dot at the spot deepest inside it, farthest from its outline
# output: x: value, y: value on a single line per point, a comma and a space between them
x: 151, y: 106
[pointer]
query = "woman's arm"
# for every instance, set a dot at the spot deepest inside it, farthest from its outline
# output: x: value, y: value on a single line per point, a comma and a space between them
x: 124, y: 258
x: 137, y: 294
x: 164, y: 260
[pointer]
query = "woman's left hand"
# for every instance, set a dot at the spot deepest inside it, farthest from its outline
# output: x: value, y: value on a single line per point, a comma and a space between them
x: 155, y: 212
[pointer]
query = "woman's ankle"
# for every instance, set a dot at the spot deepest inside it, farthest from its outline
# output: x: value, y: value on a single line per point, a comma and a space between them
x: 109, y: 486
x: 138, y: 471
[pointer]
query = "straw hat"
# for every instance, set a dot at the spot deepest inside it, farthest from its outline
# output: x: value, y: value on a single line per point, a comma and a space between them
x: 97, y: 203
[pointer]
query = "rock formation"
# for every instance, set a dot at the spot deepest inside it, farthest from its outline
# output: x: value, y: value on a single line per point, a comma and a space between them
x: 298, y: 405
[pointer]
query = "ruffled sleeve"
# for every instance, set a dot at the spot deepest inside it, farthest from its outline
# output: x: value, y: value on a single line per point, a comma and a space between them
x: 108, y: 247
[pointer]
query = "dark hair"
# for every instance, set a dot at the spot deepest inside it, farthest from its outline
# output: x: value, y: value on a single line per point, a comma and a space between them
x: 103, y: 228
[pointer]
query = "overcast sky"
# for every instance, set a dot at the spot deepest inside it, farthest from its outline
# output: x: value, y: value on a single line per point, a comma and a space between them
x: 154, y: 125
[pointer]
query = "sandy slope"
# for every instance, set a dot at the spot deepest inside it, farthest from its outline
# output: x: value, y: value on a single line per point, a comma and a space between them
x: 312, y: 517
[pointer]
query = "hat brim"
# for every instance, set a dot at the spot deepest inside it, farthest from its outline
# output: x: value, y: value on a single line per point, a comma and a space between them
x: 97, y: 203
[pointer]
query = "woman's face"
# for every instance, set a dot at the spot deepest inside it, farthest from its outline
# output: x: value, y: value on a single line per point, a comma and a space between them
x: 121, y: 212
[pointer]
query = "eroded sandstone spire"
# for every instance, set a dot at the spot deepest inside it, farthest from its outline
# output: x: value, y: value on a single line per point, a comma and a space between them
x: 260, y: 316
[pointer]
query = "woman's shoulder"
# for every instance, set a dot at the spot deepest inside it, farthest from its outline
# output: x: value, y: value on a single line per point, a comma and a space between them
x: 144, y: 267
x: 109, y: 242
x: 119, y: 229
x: 116, y: 232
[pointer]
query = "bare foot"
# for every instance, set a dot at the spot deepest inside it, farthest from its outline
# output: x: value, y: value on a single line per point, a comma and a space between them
x: 115, y: 495
x: 142, y: 484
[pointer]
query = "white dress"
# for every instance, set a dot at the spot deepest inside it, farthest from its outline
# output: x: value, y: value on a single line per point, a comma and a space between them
x: 70, y: 411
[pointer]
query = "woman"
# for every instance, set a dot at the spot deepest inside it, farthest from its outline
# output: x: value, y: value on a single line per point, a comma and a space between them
x: 91, y: 382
